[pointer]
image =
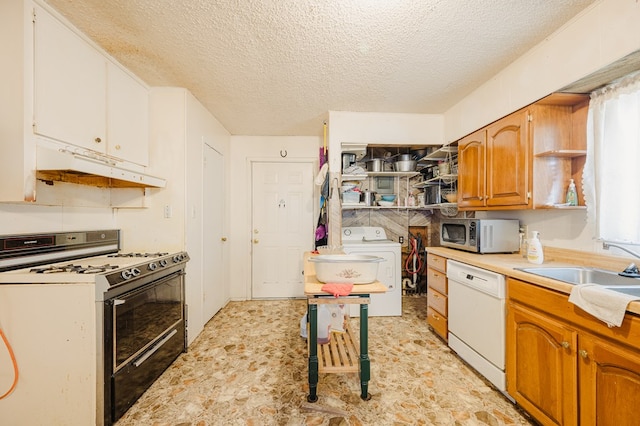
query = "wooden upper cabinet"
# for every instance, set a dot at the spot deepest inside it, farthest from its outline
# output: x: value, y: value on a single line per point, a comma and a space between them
x: 471, y: 170
x: 494, y: 166
x: 508, y: 159
x: 526, y: 159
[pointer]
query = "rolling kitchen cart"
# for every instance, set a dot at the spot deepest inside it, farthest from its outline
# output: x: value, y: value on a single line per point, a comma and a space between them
x: 341, y: 354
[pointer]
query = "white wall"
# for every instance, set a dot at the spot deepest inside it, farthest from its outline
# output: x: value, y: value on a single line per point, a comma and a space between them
x: 597, y: 37
x: 179, y: 127
x: 375, y: 128
x: 244, y: 150
x: 381, y: 129
x: 33, y: 218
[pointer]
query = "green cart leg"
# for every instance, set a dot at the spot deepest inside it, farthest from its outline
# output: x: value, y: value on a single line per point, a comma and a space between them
x: 365, y: 371
x: 313, y: 352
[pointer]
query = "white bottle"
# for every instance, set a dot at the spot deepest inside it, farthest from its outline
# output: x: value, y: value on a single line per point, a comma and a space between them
x: 572, y: 195
x: 534, y: 251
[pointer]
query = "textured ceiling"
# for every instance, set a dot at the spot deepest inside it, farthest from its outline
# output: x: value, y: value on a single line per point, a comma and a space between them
x: 275, y: 67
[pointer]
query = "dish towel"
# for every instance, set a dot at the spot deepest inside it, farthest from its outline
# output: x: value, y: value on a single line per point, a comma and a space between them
x: 606, y: 305
x: 337, y: 289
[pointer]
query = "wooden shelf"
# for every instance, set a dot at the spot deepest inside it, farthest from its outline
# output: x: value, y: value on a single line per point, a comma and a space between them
x: 442, y: 153
x: 438, y: 180
x: 563, y: 153
x: 341, y: 354
x: 561, y: 207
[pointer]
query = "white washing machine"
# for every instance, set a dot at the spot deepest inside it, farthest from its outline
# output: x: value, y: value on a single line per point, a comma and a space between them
x: 372, y: 240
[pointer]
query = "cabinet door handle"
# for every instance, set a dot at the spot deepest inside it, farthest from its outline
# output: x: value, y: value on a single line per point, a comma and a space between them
x: 565, y: 345
x: 584, y: 354
x: 98, y: 140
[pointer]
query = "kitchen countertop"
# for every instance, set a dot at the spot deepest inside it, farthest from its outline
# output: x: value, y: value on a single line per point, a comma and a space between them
x: 505, y: 264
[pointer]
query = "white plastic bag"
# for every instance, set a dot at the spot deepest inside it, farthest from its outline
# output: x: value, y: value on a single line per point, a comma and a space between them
x: 330, y: 318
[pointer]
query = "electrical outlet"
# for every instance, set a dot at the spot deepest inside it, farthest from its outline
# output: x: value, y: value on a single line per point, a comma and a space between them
x: 167, y: 212
x: 524, y: 229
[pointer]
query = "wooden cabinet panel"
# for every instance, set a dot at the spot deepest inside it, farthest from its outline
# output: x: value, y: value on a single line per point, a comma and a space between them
x: 471, y: 166
x: 437, y: 304
x: 609, y: 378
x: 541, y: 366
x: 437, y: 322
x: 437, y: 280
x: 437, y: 301
x: 566, y: 367
x: 507, y: 161
x: 436, y: 262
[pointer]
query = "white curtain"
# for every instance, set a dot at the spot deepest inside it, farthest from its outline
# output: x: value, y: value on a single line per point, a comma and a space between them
x: 611, y: 178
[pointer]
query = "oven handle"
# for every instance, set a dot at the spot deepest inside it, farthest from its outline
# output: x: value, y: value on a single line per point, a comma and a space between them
x: 150, y: 352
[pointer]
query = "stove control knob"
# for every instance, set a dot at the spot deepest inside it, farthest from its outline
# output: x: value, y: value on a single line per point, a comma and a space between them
x: 163, y: 262
x: 178, y: 258
x: 153, y: 266
x: 130, y: 273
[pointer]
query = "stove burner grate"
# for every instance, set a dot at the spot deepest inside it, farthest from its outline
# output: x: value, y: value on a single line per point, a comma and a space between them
x: 77, y: 269
x: 157, y: 254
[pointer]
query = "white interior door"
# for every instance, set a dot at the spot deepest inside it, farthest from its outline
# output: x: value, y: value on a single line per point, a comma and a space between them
x: 214, y: 288
x: 282, y: 227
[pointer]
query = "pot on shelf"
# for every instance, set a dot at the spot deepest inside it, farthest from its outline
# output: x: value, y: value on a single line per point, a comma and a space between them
x: 369, y: 198
x: 404, y: 166
x: 375, y: 165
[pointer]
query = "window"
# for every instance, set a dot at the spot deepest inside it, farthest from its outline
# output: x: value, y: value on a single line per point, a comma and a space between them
x: 612, y: 170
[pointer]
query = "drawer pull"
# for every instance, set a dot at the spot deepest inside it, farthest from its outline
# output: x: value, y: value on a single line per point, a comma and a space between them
x: 583, y: 354
x: 565, y: 344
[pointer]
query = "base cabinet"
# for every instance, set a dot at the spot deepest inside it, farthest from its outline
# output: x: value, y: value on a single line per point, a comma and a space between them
x: 437, y: 302
x: 609, y: 378
x: 541, y: 370
x: 565, y: 367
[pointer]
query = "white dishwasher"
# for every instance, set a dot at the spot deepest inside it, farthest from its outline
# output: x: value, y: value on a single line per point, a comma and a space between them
x: 477, y: 319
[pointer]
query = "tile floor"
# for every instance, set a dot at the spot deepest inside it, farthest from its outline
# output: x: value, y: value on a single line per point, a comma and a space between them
x: 249, y: 367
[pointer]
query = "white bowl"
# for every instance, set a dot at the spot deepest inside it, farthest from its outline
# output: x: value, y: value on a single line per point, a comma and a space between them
x: 385, y: 203
x: 346, y: 268
x: 348, y: 186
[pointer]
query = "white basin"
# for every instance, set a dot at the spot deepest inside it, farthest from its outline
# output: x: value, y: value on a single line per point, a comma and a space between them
x: 346, y: 268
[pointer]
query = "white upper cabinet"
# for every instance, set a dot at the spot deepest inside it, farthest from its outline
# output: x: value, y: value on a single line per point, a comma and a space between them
x: 83, y: 98
x: 69, y: 86
x: 127, y: 117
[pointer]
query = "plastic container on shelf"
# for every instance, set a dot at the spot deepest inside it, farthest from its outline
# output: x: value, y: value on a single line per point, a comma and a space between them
x: 572, y: 194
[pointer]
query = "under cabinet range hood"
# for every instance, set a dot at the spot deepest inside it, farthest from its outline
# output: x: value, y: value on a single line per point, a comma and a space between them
x: 81, y: 166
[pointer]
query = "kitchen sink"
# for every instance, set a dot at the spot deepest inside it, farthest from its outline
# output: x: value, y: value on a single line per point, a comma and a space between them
x: 584, y: 275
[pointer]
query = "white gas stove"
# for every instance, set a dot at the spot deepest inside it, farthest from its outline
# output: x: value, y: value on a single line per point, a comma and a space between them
x: 109, y: 322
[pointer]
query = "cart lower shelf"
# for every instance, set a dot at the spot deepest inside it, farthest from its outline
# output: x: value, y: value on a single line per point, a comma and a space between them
x: 341, y: 354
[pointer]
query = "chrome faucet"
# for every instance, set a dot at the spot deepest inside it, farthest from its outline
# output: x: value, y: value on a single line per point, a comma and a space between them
x: 606, y: 246
x: 632, y: 269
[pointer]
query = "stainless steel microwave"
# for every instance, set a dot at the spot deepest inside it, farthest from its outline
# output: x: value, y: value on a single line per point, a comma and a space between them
x: 481, y: 235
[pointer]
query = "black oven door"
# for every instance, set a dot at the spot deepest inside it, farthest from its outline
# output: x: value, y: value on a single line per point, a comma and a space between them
x: 144, y: 333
